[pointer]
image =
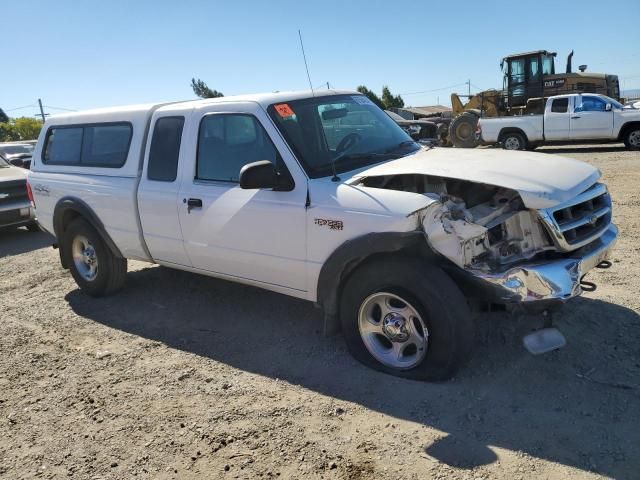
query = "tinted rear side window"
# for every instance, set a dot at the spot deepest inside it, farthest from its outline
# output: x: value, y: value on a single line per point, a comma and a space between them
x: 63, y: 146
x: 560, y: 105
x: 95, y: 145
x: 106, y: 146
x: 165, y: 149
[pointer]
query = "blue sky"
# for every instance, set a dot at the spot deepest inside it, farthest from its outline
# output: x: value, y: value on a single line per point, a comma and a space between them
x: 79, y: 55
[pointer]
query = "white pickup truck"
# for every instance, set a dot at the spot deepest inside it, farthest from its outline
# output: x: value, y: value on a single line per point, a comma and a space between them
x: 323, y: 197
x: 571, y: 118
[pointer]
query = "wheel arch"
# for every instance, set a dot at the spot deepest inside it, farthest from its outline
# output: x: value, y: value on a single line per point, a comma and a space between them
x: 626, y: 127
x: 355, y: 253
x: 67, y: 210
x: 505, y: 131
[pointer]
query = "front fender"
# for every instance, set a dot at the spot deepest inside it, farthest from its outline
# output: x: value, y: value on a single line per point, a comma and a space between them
x: 352, y: 253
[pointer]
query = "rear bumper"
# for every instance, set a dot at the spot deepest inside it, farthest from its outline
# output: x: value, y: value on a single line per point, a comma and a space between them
x: 16, y: 215
x: 540, y: 281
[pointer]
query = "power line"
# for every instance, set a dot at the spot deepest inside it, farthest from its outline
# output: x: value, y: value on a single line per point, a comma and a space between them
x: 21, y: 108
x: 435, y: 89
x: 60, y: 108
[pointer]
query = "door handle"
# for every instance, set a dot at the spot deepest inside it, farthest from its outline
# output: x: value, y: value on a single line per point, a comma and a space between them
x: 193, y: 203
x: 575, y: 116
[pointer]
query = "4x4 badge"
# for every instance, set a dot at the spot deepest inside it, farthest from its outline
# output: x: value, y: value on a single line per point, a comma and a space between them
x: 332, y: 224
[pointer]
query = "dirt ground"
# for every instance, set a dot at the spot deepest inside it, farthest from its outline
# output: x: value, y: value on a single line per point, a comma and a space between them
x: 183, y: 376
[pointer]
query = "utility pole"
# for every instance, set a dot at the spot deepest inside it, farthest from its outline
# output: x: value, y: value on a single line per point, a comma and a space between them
x: 469, y: 87
x: 41, y: 109
x: 328, y: 88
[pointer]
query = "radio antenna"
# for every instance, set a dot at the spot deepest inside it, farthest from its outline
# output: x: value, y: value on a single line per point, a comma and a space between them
x: 305, y: 63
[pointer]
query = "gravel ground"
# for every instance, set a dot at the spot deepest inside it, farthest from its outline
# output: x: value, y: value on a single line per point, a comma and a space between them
x: 184, y: 376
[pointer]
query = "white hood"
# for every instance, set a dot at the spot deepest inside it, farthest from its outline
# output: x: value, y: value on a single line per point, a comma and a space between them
x: 541, y: 180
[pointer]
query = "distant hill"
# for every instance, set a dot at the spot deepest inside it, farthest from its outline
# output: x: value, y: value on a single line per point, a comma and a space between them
x: 633, y: 92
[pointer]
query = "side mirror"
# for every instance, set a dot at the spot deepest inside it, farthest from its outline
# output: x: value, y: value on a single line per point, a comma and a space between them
x: 260, y: 174
x: 17, y: 162
x: 607, y: 107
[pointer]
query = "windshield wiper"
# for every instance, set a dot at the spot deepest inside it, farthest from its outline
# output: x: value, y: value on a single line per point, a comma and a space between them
x: 401, y: 145
x: 389, y: 154
x: 362, y: 156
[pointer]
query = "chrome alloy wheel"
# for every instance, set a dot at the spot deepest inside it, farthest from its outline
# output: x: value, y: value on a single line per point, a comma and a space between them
x: 512, y: 143
x: 634, y: 138
x: 84, y: 258
x: 393, y: 331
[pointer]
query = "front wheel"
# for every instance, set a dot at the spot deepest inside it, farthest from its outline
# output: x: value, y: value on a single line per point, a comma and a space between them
x: 632, y: 138
x: 514, y: 141
x: 407, y: 319
x: 94, y: 267
x: 462, y: 131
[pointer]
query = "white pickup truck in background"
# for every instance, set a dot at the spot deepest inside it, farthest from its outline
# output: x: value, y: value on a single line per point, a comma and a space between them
x: 574, y: 118
x: 322, y: 196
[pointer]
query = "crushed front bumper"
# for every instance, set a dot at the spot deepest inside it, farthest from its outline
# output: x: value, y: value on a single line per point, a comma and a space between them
x: 540, y: 281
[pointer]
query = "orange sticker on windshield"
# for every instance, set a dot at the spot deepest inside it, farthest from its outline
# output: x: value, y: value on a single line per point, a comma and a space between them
x: 284, y: 110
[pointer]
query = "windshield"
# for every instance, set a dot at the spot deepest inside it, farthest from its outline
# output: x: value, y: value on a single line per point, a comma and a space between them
x: 16, y: 149
x: 346, y: 129
x: 614, y: 103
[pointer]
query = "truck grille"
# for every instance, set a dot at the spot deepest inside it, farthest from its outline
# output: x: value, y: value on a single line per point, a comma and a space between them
x: 581, y: 220
x: 14, y: 191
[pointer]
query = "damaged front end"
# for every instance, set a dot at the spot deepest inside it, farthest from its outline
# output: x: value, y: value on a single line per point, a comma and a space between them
x: 504, y: 251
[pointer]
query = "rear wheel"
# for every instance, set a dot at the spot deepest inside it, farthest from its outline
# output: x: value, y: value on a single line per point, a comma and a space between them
x: 462, y: 131
x: 407, y: 319
x: 94, y: 267
x: 514, y: 141
x: 632, y: 138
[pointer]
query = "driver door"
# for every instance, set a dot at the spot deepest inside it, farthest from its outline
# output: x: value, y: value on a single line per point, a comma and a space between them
x: 590, y: 119
x: 254, y: 235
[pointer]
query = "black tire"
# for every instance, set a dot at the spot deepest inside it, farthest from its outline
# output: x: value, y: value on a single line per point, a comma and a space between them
x: 632, y: 138
x: 34, y: 227
x: 111, y: 270
x: 513, y: 141
x: 462, y: 131
x: 451, y: 331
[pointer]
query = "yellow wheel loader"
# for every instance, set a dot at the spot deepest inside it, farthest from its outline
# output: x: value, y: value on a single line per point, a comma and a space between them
x: 529, y: 78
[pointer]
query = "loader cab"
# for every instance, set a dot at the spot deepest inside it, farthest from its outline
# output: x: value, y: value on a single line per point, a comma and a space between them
x: 524, y: 75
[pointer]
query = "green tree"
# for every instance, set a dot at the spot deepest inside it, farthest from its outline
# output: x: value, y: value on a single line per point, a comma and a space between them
x: 27, y: 128
x: 23, y: 128
x: 370, y: 95
x: 389, y: 100
x: 8, y: 132
x: 203, y: 91
x: 3, y: 116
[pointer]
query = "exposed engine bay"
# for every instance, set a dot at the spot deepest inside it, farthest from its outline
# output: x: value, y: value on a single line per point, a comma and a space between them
x: 472, y: 224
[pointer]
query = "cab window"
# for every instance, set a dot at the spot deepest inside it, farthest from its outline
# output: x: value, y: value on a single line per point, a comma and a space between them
x: 560, y: 105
